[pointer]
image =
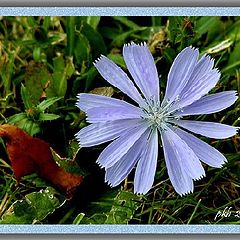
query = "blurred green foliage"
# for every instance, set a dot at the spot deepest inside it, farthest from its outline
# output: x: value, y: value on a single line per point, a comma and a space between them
x: 46, y: 61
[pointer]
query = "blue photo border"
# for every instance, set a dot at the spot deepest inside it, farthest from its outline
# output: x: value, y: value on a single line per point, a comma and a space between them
x: 120, y: 229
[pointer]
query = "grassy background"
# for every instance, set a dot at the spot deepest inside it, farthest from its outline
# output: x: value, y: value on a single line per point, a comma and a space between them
x: 50, y: 58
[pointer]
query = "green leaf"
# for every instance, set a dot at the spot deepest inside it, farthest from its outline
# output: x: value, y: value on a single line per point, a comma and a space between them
x: 124, y: 206
x: 70, y: 26
x: 22, y: 121
x: 17, y: 118
x: 63, y: 70
x: 37, y: 53
x: 37, y: 78
x: 69, y: 165
x: 26, y: 97
x: 82, y: 50
x: 126, y: 22
x: 47, y: 103
x: 118, y: 59
x: 206, y: 24
x: 44, y: 202
x: 117, y: 210
x: 35, y: 207
x: 93, y: 21
x: 121, y: 38
x: 95, y: 39
x: 89, y: 76
x: 19, y: 213
x: 48, y: 116
x: 79, y: 218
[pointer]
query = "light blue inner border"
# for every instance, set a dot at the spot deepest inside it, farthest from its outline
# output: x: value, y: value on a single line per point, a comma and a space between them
x: 114, y: 11
x: 121, y: 229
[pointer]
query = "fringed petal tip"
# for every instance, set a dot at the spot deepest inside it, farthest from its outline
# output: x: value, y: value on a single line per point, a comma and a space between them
x: 200, y: 177
x: 142, y: 44
x: 99, y: 59
x: 78, y: 100
x: 100, y: 165
x: 139, y: 193
x: 186, y: 193
x: 109, y: 183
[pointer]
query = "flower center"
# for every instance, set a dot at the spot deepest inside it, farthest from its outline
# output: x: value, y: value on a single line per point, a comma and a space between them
x: 157, y: 115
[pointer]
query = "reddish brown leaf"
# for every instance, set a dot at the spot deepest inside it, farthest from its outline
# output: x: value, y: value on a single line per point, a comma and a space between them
x: 32, y: 155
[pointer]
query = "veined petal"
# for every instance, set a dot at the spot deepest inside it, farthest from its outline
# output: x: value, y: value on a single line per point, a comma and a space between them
x: 201, y: 81
x: 120, y: 170
x: 190, y: 162
x: 104, y: 114
x: 141, y: 65
x: 180, y: 180
x: 204, y: 151
x: 180, y: 73
x: 210, y: 104
x: 146, y: 167
x: 118, y: 78
x: 119, y: 147
x: 87, y: 101
x: 99, y: 133
x: 208, y: 129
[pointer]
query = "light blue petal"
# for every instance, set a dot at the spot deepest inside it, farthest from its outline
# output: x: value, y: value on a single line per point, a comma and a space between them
x: 190, y: 162
x: 180, y: 180
x: 201, y: 81
x: 105, y: 114
x: 141, y: 65
x: 99, y: 133
x: 210, y: 104
x: 146, y: 167
x: 119, y: 147
x: 120, y: 170
x: 204, y: 151
x: 180, y: 73
x: 118, y: 78
x: 208, y: 129
x: 87, y: 101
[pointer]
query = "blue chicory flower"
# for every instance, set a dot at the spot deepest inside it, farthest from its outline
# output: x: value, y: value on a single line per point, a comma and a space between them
x: 136, y: 129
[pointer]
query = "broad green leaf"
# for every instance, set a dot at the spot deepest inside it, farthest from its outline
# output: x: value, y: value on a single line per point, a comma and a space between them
x: 47, y: 103
x: 44, y: 202
x: 19, y: 213
x: 37, y: 80
x: 46, y: 23
x: 124, y: 206
x: 17, y: 117
x: 22, y: 121
x: 63, y: 70
x: 48, y: 116
x: 93, y: 21
x: 82, y: 50
x: 117, y: 210
x: 95, y: 39
x: 35, y: 207
x: 205, y: 24
x: 69, y: 165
